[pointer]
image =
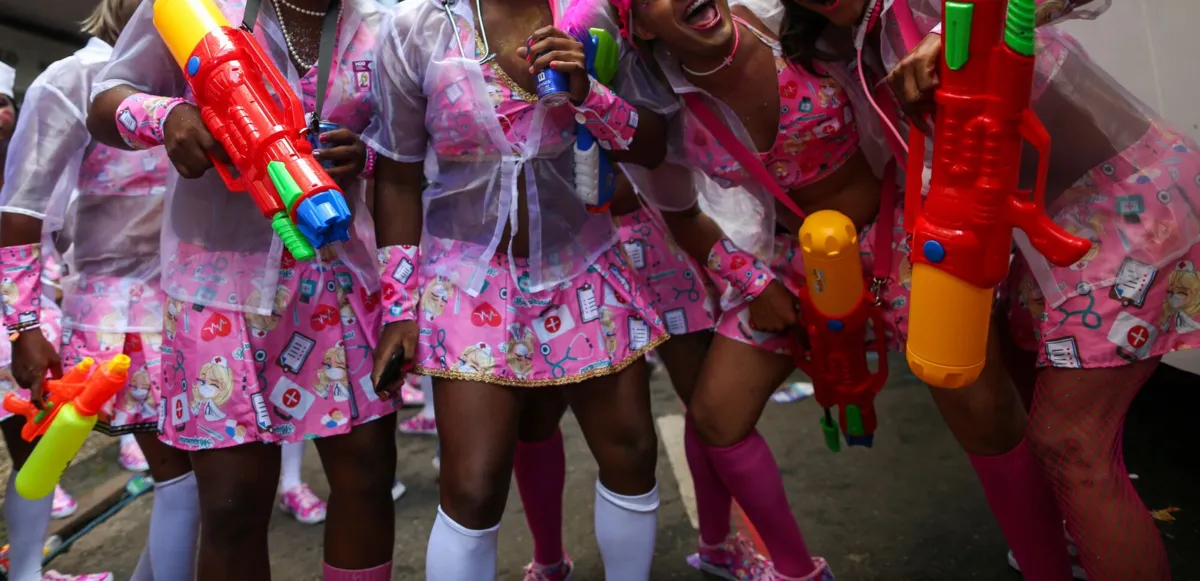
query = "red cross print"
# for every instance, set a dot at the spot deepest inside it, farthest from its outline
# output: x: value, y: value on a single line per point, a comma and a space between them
x: 553, y: 323
x: 291, y: 397
x: 1137, y: 336
x: 179, y: 409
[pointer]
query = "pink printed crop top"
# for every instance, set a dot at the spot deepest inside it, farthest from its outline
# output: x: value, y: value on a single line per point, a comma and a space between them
x: 816, y: 135
x: 514, y: 108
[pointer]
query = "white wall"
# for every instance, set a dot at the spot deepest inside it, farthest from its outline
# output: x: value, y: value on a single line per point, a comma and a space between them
x: 31, y: 53
x: 1152, y: 47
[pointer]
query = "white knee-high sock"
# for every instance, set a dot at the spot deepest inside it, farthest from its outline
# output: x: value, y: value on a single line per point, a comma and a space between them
x: 28, y: 521
x: 625, y: 531
x: 427, y: 389
x: 291, y: 457
x: 174, y: 528
x: 457, y: 553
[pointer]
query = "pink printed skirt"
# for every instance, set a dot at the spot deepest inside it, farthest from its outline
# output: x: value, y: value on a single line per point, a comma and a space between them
x: 1149, y: 310
x: 597, y: 324
x: 788, y: 265
x: 51, y: 329
x: 301, y: 373
x: 682, y: 297
x: 135, y: 408
x: 94, y: 307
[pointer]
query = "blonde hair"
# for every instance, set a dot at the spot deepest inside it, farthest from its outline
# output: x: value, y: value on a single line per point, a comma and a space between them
x: 108, y: 19
x: 1186, y: 282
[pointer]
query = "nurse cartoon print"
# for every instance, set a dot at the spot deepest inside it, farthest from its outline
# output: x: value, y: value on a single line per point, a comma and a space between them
x: 1119, y: 305
x: 301, y: 371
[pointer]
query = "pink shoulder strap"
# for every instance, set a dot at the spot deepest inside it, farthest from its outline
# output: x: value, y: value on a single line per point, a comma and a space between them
x: 754, y: 166
x: 746, y: 158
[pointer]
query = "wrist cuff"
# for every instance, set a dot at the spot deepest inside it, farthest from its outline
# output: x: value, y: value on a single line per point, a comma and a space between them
x: 742, y: 270
x: 21, y: 287
x: 140, y: 119
x: 609, y: 118
x: 398, y: 282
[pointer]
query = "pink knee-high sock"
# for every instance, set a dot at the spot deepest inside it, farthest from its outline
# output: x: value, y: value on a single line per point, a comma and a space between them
x: 713, y: 501
x: 1023, y: 504
x: 378, y: 573
x: 750, y: 473
x: 540, y: 468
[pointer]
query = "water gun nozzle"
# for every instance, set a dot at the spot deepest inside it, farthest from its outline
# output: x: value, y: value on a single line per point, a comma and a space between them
x: 324, y: 218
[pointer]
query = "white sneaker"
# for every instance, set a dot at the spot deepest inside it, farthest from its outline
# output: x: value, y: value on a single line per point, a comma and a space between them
x: 1076, y: 569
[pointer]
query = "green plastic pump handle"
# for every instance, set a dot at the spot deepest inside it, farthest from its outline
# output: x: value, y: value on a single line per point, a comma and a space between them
x: 606, y: 56
x: 957, y: 34
x: 832, y: 439
x: 281, y: 222
x: 1019, y: 25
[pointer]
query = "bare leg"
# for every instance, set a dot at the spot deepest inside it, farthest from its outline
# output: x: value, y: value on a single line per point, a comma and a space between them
x: 988, y: 420
x: 237, y: 490
x: 614, y: 412
x: 478, y: 432
x: 360, y: 524
x: 735, y: 383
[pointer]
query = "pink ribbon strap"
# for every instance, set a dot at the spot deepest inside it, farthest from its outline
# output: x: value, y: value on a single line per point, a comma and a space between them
x: 140, y: 119
x: 398, y: 282
x: 21, y: 287
x: 742, y: 270
x: 609, y: 118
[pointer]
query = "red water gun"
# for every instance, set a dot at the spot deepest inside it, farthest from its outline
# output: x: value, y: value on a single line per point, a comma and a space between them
x: 962, y: 231
x: 835, y: 308
x: 248, y: 106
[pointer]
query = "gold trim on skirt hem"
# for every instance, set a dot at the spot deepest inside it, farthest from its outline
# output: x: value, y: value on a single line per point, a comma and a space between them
x: 568, y: 380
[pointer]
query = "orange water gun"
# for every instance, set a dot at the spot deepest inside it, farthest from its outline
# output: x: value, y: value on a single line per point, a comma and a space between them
x: 835, y: 307
x: 962, y: 231
x: 71, y: 410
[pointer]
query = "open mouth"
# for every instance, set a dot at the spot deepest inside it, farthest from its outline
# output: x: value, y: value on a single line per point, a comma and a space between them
x: 702, y: 14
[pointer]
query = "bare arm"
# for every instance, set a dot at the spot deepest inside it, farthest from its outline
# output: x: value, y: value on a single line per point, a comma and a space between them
x: 397, y: 194
x: 649, y: 145
x: 694, y: 232
x: 19, y: 229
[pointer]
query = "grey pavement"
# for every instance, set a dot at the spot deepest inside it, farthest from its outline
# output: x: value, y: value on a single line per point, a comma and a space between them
x: 907, y: 510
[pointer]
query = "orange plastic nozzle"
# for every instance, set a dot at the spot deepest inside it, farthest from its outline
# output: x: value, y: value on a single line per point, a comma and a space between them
x: 103, y: 386
x: 19, y: 406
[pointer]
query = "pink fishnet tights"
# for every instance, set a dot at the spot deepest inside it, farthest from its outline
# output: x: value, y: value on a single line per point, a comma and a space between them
x: 1075, y: 428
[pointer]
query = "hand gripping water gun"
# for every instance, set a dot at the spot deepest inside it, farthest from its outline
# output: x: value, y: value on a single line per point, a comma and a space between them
x: 74, y: 402
x: 595, y: 177
x: 835, y: 307
x: 235, y: 85
x: 962, y: 233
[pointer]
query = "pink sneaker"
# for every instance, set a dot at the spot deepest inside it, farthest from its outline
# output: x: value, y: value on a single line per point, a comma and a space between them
x: 412, y: 396
x: 560, y: 571
x: 132, y: 458
x: 304, y: 504
x: 63, y: 505
x: 53, y: 575
x: 419, y: 425
x: 738, y: 560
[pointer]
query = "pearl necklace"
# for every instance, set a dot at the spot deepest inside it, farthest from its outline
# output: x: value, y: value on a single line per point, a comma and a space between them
x: 302, y: 10
x: 287, y: 36
x: 728, y: 60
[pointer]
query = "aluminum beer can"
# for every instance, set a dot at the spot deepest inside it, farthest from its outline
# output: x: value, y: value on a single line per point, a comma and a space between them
x: 314, y: 138
x: 553, y: 87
